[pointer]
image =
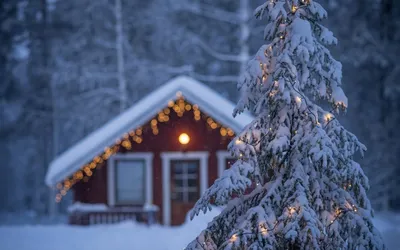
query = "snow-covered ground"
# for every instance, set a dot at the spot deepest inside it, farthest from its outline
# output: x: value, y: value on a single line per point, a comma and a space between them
x: 132, y: 236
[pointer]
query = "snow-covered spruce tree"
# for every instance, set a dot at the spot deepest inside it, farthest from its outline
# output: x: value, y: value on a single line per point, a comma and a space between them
x: 309, y: 192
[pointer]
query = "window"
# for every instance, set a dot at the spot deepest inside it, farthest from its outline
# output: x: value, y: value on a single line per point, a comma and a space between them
x: 185, y: 177
x: 130, y: 178
x: 130, y: 181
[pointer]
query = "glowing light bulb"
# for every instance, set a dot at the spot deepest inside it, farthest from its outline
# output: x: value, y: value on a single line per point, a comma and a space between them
x: 184, y: 138
x: 298, y: 100
x: 238, y: 141
x: 328, y: 117
x: 263, y: 231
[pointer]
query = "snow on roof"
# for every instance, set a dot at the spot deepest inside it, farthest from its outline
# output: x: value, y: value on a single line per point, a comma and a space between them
x: 93, y: 144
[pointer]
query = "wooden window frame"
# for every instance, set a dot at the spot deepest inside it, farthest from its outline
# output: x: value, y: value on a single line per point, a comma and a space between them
x: 147, y: 158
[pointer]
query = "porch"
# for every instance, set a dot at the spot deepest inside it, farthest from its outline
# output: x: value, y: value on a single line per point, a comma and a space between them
x: 92, y: 214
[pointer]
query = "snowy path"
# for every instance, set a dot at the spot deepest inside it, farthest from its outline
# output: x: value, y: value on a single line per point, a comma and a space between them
x: 130, y: 236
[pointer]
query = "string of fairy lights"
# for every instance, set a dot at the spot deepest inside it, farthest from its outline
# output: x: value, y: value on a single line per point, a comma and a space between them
x: 327, y: 118
x: 263, y: 229
x: 179, y: 106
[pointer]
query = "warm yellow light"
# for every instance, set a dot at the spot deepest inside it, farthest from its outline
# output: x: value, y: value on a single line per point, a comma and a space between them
x: 263, y: 230
x: 79, y: 175
x: 223, y: 131
x: 328, y: 117
x: 126, y: 144
x: 184, y: 138
x: 264, y: 78
x: 298, y: 100
x: 233, y: 238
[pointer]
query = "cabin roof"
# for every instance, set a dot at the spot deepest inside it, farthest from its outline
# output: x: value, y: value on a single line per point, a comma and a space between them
x: 93, y: 144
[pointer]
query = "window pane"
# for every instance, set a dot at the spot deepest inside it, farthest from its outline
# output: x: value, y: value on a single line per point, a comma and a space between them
x: 192, y: 182
x: 192, y: 167
x: 178, y: 168
x: 130, y: 177
x: 178, y: 183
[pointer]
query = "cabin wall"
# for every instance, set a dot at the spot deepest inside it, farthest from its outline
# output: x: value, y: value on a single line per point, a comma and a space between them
x: 202, y: 138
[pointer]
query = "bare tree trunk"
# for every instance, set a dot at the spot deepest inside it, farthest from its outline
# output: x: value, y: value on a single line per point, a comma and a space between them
x: 244, y: 13
x: 387, y: 34
x: 47, y: 136
x: 123, y: 92
x: 53, y: 206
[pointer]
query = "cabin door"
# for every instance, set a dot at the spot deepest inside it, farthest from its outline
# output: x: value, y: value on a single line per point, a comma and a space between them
x: 185, y: 188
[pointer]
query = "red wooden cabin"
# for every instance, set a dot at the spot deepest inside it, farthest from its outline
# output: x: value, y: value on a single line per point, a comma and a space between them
x: 158, y: 156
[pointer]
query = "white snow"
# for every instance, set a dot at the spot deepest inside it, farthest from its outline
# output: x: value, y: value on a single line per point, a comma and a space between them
x: 124, y: 236
x: 84, y: 207
x: 132, y: 236
x: 195, y: 92
x: 78, y: 206
x: 150, y: 207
